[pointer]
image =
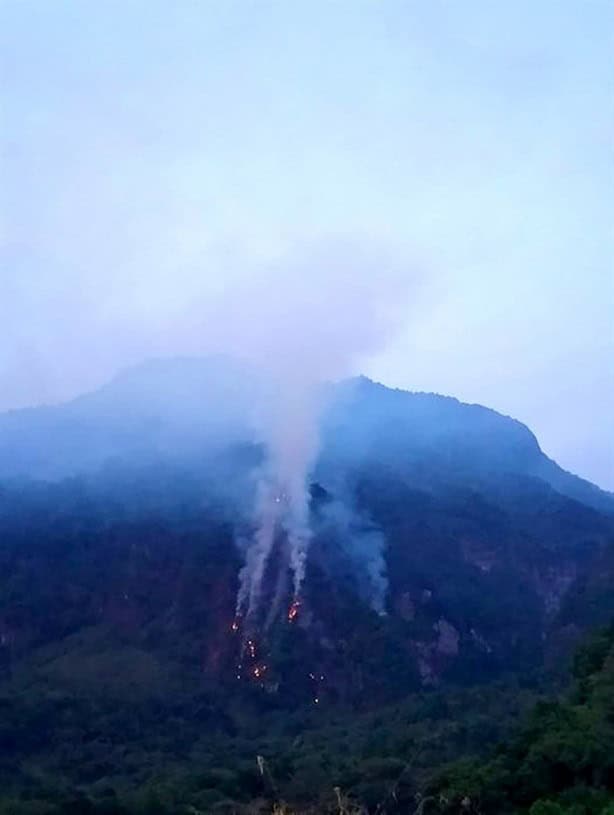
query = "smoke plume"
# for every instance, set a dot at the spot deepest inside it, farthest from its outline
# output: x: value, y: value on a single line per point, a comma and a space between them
x: 312, y: 316
x: 358, y: 544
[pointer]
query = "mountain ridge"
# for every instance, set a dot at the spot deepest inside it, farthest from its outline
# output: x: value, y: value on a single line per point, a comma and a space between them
x: 442, y: 565
x: 168, y: 405
x: 434, y: 511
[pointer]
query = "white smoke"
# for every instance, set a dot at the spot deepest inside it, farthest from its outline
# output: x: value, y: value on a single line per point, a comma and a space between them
x: 362, y: 544
x: 301, y: 314
x: 310, y: 316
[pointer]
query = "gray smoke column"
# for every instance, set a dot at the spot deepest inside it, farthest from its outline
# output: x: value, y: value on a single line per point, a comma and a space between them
x: 259, y: 549
x: 362, y: 544
x: 312, y: 316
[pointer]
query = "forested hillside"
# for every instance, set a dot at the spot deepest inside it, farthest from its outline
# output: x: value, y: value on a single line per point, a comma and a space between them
x: 452, y: 570
x: 518, y: 749
x: 561, y: 760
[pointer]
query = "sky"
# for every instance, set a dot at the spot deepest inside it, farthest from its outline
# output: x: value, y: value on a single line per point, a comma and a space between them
x: 178, y: 177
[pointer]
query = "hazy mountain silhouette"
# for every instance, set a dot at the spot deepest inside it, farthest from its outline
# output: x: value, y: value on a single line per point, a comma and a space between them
x: 191, y: 406
x: 446, y: 515
x: 447, y: 551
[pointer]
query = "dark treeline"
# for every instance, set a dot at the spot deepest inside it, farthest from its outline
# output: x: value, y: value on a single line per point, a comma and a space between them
x: 435, y: 752
x: 118, y: 692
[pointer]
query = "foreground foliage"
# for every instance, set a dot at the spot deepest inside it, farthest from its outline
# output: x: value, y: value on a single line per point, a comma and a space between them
x: 80, y: 756
x: 561, y: 762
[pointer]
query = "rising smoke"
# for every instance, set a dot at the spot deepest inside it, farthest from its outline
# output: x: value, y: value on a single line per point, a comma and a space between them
x: 299, y: 316
x: 360, y: 543
x: 325, y: 308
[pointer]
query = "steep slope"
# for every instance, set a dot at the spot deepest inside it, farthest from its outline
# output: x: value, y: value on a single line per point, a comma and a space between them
x: 436, y: 440
x: 118, y: 665
x: 443, y: 515
x: 472, y: 585
x: 447, y: 551
x: 172, y: 409
x: 157, y: 409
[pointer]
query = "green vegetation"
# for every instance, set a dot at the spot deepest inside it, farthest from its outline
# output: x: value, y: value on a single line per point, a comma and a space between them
x: 118, y: 689
x: 165, y: 755
x: 103, y: 751
x: 561, y: 762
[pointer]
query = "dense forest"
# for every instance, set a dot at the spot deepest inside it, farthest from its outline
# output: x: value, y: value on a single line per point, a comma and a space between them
x: 119, y: 695
x: 453, y: 571
x: 507, y: 747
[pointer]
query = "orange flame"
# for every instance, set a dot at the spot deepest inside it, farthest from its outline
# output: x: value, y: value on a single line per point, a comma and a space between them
x: 293, y: 610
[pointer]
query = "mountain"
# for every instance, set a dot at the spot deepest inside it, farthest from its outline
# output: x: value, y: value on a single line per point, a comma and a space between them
x: 428, y: 437
x: 173, y: 408
x: 447, y: 516
x: 448, y: 552
x: 158, y: 408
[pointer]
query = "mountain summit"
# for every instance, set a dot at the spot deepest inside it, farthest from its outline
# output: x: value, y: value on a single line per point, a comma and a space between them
x: 169, y: 408
x: 440, y: 532
x: 444, y: 550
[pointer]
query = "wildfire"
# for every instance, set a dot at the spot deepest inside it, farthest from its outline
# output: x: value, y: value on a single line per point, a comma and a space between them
x: 235, y: 625
x: 259, y: 671
x: 293, y: 610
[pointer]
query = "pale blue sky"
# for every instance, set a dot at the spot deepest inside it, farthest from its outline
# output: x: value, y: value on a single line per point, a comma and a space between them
x: 145, y: 142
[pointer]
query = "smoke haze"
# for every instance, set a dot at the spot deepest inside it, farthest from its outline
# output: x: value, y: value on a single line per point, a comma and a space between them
x: 303, y: 319
x: 171, y: 180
